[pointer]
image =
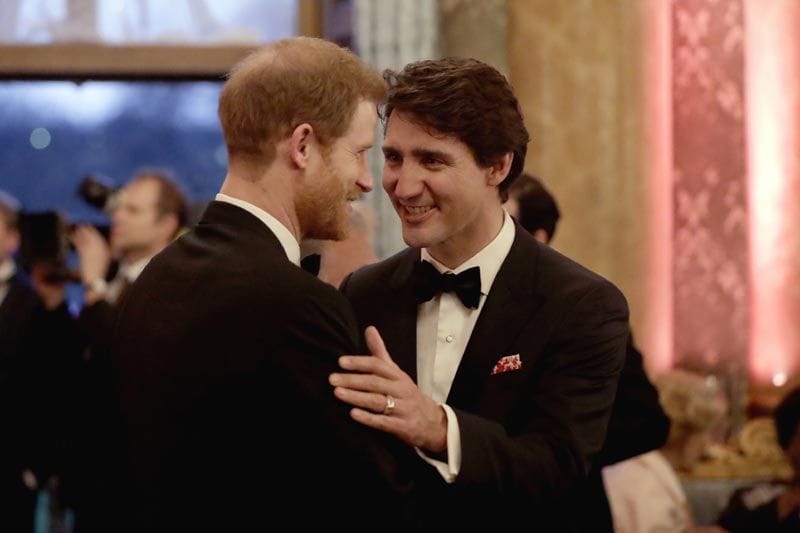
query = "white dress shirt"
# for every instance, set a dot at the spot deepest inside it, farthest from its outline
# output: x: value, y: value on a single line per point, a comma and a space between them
x: 126, y: 275
x: 285, y: 237
x: 444, y: 326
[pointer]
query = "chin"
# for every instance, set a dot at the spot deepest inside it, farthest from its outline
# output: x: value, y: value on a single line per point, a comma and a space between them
x: 416, y: 239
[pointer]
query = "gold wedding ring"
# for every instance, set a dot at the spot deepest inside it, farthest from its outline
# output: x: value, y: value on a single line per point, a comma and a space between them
x: 389, y: 407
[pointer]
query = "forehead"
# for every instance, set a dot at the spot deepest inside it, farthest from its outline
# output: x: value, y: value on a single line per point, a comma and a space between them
x: 403, y: 133
x: 362, y: 127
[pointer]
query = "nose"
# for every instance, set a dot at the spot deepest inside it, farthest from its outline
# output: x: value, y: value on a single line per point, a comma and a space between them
x: 364, y: 180
x: 401, y: 182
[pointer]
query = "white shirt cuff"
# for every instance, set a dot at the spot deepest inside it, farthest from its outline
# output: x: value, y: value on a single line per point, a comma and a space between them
x: 449, y: 470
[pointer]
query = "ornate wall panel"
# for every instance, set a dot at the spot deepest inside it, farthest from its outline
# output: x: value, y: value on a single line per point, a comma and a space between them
x: 709, y: 195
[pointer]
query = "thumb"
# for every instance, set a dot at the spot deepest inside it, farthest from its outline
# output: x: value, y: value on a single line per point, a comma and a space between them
x: 375, y: 344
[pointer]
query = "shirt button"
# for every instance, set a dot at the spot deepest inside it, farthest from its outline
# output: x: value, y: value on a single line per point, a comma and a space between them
x: 449, y: 338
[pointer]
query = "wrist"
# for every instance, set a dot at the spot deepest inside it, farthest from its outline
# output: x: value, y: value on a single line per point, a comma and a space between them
x: 438, y: 444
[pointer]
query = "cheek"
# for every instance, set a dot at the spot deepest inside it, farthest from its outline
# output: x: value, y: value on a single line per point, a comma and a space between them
x: 388, y: 180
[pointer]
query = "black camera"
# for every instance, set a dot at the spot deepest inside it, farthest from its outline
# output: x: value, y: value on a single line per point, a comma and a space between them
x: 97, y: 193
x: 45, y: 243
x: 46, y: 237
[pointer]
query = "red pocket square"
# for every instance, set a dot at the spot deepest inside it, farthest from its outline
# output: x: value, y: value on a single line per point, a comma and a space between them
x: 507, y: 364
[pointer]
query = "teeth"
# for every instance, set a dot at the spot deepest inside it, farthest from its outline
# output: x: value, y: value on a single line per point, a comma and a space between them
x: 418, y: 210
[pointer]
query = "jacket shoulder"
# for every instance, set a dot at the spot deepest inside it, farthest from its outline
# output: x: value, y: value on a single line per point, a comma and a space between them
x: 381, y: 273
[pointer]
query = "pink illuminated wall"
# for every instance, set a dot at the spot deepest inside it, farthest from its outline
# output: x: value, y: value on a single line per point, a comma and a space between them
x: 658, y: 327
x: 773, y: 128
x: 723, y: 99
x: 710, y: 261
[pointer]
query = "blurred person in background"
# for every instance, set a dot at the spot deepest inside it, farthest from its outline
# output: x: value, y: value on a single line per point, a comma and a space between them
x: 645, y: 493
x: 772, y: 507
x: 147, y: 215
x: 332, y: 261
x: 39, y: 360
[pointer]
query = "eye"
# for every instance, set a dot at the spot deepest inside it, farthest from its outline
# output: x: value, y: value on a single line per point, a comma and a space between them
x: 392, y: 158
x: 429, y: 161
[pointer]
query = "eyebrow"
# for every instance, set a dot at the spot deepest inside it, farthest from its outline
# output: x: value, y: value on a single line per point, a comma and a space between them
x: 421, y: 153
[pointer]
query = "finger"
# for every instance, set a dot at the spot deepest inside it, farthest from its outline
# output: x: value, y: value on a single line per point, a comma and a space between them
x: 366, y: 364
x: 78, y: 236
x: 365, y: 400
x: 388, y: 424
x: 375, y: 344
x: 362, y: 382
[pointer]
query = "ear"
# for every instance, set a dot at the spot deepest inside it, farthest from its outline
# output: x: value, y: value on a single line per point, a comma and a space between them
x: 498, y: 171
x: 300, y: 145
x: 169, y: 225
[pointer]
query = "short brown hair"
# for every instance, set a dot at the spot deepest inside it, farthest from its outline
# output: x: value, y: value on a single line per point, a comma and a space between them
x: 171, y: 200
x: 288, y: 83
x: 467, y: 99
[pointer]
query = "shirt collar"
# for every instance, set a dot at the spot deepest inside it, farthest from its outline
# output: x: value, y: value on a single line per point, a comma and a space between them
x: 285, y: 237
x: 7, y: 271
x: 490, y: 259
x: 131, y: 271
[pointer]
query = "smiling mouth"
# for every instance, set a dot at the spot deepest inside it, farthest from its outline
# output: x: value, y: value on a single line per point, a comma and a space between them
x: 417, y: 210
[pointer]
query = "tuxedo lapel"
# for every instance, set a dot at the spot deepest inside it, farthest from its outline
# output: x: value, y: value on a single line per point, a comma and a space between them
x: 509, y: 305
x: 400, y: 330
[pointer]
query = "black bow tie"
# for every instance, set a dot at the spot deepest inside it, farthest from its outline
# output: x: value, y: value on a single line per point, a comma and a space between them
x: 311, y: 263
x: 428, y: 282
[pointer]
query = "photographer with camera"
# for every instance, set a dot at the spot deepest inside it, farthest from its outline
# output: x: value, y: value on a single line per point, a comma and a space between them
x: 146, y: 215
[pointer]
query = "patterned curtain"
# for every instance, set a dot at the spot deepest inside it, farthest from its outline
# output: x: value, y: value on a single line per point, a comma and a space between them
x: 390, y: 34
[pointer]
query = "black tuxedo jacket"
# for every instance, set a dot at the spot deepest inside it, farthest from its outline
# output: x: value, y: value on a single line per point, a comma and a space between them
x: 222, y: 353
x: 39, y: 362
x: 18, y: 312
x: 528, y: 435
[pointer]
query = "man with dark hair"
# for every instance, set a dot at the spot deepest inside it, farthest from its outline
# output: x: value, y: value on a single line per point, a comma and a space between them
x: 772, y: 507
x: 505, y: 354
x: 638, y: 423
x: 225, y: 344
x: 534, y: 207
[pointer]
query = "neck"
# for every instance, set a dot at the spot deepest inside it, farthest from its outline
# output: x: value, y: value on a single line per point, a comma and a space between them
x: 271, y: 192
x: 454, y: 252
x: 133, y: 256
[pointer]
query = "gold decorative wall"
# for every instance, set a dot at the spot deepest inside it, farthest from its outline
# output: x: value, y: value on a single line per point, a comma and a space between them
x: 475, y: 28
x: 576, y: 66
